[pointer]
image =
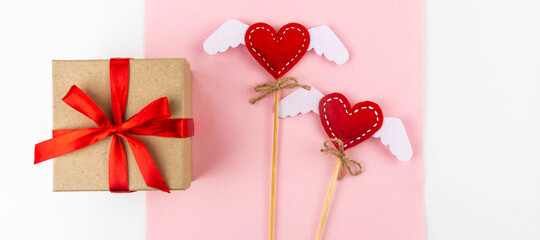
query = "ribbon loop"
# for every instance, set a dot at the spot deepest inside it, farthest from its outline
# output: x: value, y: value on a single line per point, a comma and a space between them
x: 151, y: 120
x: 81, y: 102
x: 338, y: 150
x: 281, y: 83
x: 156, y: 110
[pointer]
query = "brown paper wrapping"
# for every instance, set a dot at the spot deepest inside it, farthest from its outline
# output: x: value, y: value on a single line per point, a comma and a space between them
x: 87, y: 169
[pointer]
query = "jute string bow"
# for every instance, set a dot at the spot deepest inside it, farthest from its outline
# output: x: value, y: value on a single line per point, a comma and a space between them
x: 281, y: 83
x: 340, y: 154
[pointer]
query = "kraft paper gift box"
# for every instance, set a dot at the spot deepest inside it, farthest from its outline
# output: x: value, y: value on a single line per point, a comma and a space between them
x: 149, y: 79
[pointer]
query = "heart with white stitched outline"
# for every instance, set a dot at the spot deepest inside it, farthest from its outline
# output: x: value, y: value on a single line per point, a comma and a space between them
x: 350, y: 125
x: 277, y: 52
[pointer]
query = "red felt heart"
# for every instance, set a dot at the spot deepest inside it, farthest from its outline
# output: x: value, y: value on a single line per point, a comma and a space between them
x: 350, y: 125
x: 277, y: 53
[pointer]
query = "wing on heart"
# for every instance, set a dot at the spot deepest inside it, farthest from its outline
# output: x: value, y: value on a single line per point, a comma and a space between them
x: 324, y: 41
x: 300, y: 101
x: 393, y: 135
x: 230, y: 34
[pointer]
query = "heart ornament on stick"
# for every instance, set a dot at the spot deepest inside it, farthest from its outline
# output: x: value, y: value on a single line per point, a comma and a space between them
x: 346, y: 127
x: 277, y: 53
x: 392, y: 132
x: 350, y: 125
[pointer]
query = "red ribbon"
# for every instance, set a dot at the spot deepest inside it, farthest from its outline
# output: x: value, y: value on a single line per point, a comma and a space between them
x: 151, y: 120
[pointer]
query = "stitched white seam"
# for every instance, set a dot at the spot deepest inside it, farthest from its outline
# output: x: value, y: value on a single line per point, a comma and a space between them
x: 346, y: 110
x: 273, y: 37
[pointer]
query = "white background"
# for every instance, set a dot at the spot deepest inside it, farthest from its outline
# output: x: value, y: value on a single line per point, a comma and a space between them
x: 31, y: 34
x: 482, y: 118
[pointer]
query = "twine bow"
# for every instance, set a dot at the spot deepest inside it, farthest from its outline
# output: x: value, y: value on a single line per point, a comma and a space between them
x: 339, y: 152
x: 281, y: 83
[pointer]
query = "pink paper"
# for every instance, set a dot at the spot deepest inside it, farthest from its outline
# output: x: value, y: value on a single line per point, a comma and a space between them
x: 230, y: 195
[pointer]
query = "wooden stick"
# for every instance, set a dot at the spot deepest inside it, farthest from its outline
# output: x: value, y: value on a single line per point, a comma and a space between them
x: 274, y: 163
x: 328, y: 199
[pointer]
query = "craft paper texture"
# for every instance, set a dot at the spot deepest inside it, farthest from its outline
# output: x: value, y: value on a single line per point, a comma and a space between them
x: 87, y: 169
x: 232, y: 149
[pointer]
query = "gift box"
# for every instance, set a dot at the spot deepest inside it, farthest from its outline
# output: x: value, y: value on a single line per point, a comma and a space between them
x: 93, y: 167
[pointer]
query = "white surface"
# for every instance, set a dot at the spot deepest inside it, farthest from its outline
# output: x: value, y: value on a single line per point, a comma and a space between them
x: 33, y: 33
x: 482, y: 118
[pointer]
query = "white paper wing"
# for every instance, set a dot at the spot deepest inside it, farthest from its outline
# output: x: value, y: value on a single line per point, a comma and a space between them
x: 300, y: 101
x: 230, y: 34
x: 325, y: 41
x: 393, y: 135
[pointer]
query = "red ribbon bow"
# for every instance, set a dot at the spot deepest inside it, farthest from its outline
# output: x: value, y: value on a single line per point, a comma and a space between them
x: 151, y: 120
